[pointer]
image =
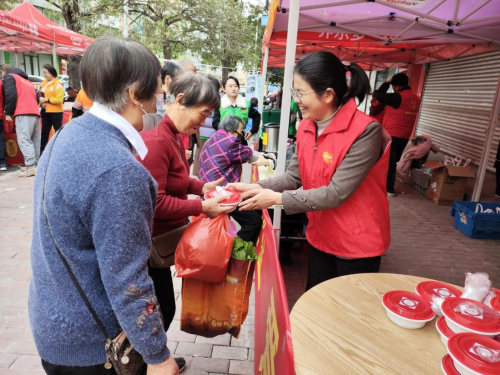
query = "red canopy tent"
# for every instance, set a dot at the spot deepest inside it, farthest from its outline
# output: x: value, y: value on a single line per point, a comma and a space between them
x: 382, y: 34
x: 25, y: 29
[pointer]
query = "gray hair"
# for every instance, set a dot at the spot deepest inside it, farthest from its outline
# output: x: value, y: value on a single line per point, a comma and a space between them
x: 187, y: 65
x: 198, y: 90
x: 111, y: 67
x: 230, y: 123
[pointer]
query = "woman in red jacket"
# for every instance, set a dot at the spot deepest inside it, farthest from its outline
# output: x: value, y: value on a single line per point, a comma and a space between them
x: 338, y: 173
x: 191, y: 100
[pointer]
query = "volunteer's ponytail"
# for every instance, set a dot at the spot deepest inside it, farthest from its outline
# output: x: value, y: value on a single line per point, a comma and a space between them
x: 323, y: 70
x: 359, y: 86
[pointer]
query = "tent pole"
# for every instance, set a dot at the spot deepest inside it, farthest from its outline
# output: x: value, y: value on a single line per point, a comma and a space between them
x: 17, y: 60
x: 476, y: 195
x: 54, y: 55
x: 263, y: 77
x: 291, y: 45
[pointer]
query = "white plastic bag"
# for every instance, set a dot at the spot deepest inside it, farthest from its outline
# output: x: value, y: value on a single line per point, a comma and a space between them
x: 477, y: 286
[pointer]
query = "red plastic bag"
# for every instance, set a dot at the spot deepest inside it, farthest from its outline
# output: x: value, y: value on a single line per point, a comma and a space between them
x: 204, y: 250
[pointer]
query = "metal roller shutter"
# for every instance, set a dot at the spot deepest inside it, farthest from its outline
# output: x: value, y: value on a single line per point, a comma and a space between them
x: 457, y: 103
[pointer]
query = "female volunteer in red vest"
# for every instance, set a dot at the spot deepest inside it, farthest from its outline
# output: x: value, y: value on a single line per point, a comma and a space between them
x: 337, y: 175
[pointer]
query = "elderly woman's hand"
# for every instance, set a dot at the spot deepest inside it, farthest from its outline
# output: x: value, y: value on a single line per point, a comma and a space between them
x: 212, y: 208
x: 261, y: 199
x: 211, y: 185
x: 242, y: 188
x: 262, y: 161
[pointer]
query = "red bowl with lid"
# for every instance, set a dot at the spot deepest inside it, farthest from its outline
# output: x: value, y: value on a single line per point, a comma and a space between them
x: 474, y: 354
x: 233, y: 198
x: 494, y: 303
x: 447, y: 366
x: 430, y: 288
x: 444, y: 331
x: 407, y: 309
x: 467, y: 315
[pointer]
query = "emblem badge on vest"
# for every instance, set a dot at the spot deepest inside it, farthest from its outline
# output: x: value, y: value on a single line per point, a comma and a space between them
x: 327, y: 157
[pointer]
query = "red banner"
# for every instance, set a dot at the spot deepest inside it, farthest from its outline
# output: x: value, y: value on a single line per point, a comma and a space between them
x: 273, y: 339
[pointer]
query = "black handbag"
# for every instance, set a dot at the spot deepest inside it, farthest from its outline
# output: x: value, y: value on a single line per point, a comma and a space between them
x: 119, y: 351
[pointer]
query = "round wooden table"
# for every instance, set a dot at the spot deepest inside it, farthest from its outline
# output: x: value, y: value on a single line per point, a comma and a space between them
x: 341, y: 327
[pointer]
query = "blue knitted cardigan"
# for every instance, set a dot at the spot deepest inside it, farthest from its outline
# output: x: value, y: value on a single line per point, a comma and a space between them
x: 100, y: 204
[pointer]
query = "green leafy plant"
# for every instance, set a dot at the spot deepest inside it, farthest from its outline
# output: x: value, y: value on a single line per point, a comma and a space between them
x: 244, y: 250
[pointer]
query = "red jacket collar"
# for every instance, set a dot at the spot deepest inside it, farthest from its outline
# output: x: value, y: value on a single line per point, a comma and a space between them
x: 340, y: 122
x: 168, y: 125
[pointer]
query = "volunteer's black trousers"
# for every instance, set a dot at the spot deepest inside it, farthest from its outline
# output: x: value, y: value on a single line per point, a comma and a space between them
x: 49, y: 120
x: 324, y: 266
x: 165, y: 294
x: 250, y: 222
x: 397, y: 147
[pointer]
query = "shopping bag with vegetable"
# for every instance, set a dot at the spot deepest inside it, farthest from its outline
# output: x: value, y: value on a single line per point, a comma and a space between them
x: 204, y: 250
x: 213, y: 309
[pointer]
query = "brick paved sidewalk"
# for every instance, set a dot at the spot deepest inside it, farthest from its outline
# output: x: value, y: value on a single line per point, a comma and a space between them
x: 424, y: 243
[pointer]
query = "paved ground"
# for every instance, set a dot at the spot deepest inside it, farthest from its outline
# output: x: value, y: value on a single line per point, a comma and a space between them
x: 424, y: 243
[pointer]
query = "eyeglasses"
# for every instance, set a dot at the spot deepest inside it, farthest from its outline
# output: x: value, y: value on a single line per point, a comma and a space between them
x: 298, y: 95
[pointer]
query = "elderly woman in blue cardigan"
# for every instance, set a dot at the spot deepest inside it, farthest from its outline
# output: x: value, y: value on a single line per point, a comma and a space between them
x: 98, y: 209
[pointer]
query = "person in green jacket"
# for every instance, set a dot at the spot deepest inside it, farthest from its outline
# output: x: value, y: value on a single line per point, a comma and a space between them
x: 234, y: 104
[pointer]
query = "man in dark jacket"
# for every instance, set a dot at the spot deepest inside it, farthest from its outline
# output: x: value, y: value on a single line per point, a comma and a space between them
x: 21, y: 104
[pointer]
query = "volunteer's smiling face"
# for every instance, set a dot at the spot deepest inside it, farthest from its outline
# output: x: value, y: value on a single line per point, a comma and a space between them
x: 312, y: 106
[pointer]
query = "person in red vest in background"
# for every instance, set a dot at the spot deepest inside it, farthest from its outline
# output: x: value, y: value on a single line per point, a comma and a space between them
x: 21, y: 104
x: 3, y: 149
x: 377, y: 110
x: 399, y: 120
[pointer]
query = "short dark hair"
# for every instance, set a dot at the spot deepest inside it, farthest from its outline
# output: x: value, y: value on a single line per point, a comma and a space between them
x: 51, y: 70
x: 254, y: 102
x: 6, y: 67
x: 170, y: 69
x: 112, y: 66
x: 224, y: 83
x: 69, y: 88
x: 399, y: 79
x: 216, y: 82
x: 323, y: 70
x: 197, y: 89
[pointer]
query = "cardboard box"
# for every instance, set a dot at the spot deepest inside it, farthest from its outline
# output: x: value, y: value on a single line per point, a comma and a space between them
x: 447, y: 183
x: 421, y: 181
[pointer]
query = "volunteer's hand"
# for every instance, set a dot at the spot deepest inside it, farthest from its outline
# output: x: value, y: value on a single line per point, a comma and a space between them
x: 43, y: 105
x: 211, y: 185
x: 188, y: 154
x: 169, y: 367
x: 261, y: 199
x: 260, y: 162
x: 8, y: 118
x: 248, y: 135
x: 43, y: 100
x: 212, y: 208
x: 242, y: 188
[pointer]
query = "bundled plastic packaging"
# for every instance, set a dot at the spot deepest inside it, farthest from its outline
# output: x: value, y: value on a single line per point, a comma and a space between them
x: 477, y: 286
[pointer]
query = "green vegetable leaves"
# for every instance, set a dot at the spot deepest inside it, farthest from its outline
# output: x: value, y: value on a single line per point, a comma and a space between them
x: 244, y: 250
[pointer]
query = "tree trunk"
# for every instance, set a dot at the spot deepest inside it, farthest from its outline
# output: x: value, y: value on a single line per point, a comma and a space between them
x: 225, y: 67
x: 74, y: 71
x: 167, y: 51
x: 71, y: 17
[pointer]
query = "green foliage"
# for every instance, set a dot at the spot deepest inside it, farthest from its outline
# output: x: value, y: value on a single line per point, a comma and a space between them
x: 244, y: 250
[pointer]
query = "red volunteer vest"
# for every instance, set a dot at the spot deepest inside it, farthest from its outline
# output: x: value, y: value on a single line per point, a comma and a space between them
x: 27, y: 103
x: 360, y: 227
x: 400, y: 122
x: 2, y: 115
